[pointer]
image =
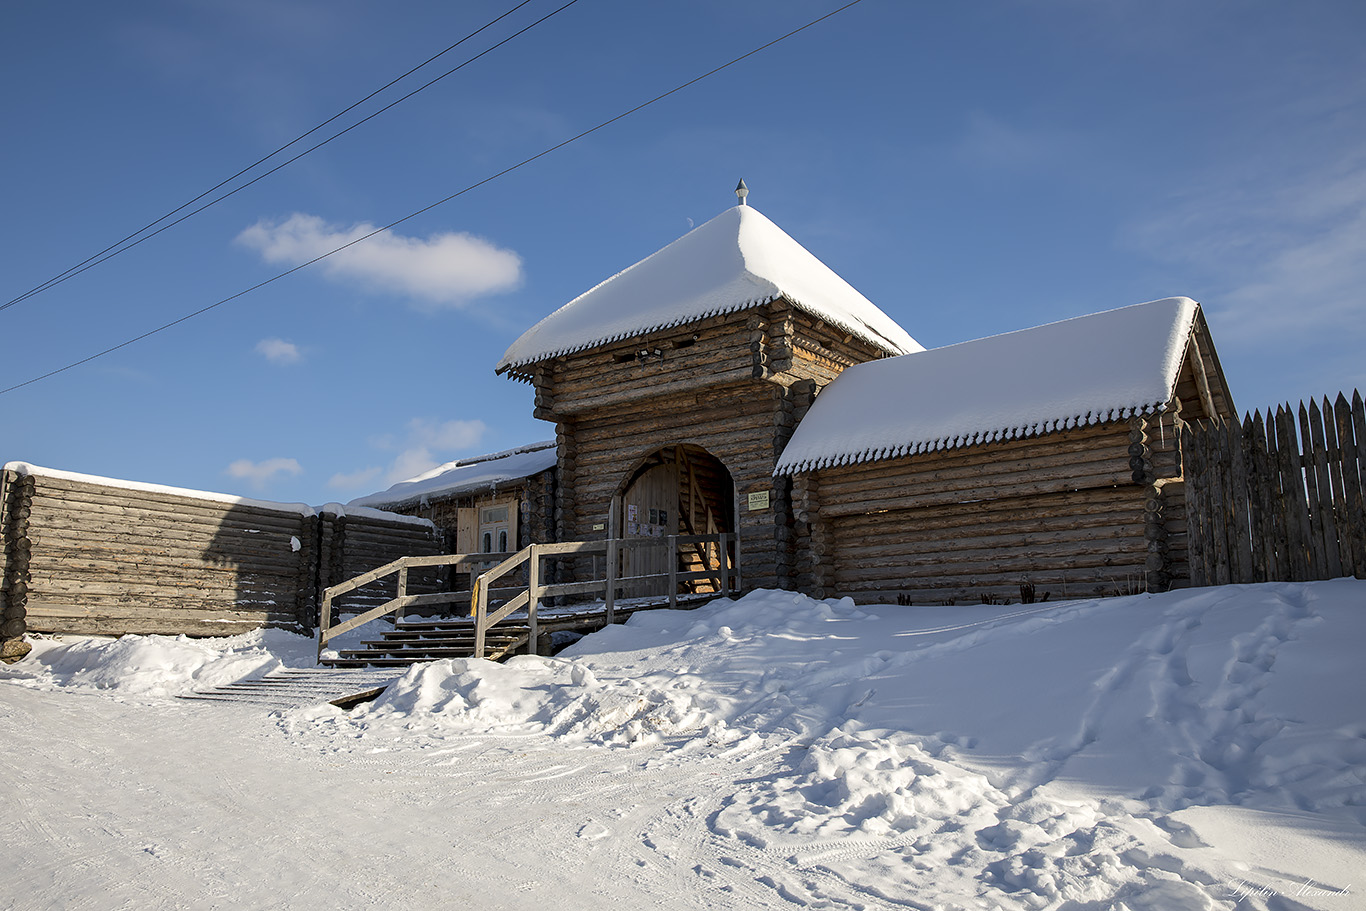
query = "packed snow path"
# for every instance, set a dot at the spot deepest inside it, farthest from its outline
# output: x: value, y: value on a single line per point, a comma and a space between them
x: 1198, y: 750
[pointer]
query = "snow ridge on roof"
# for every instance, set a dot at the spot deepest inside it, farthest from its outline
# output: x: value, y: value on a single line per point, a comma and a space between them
x: 737, y: 260
x: 465, y: 475
x: 24, y: 468
x: 1074, y: 373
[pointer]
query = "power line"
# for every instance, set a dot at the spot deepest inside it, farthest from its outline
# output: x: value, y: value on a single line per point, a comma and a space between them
x: 439, y: 202
x: 119, y: 246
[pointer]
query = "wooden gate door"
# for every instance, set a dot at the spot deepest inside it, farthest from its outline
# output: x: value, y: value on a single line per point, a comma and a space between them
x: 649, y: 509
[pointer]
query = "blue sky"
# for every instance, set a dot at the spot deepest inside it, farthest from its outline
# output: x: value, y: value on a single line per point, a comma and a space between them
x: 972, y: 168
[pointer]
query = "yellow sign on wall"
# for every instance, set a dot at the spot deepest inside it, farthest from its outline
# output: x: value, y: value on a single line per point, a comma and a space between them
x: 758, y: 500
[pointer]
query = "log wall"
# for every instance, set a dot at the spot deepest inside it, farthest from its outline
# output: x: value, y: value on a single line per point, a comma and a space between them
x: 1065, y: 514
x: 83, y: 556
x: 358, y: 543
x: 773, y: 342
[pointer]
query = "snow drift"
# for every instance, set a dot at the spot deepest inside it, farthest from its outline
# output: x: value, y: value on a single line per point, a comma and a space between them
x: 1196, y: 750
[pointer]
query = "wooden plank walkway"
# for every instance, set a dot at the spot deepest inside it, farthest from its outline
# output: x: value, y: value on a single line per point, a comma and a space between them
x: 298, y: 687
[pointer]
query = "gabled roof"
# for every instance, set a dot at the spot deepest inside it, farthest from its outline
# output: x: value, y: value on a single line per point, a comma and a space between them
x: 465, y: 476
x: 737, y: 260
x: 1073, y: 373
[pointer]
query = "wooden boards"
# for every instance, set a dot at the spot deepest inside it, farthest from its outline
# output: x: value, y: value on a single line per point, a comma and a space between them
x: 1279, y: 498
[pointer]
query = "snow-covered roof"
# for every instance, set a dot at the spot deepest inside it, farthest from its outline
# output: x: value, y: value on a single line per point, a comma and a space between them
x: 24, y: 468
x: 737, y: 260
x: 1073, y: 373
x: 465, y: 476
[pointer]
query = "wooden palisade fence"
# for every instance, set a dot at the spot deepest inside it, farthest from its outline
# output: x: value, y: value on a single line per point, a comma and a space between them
x: 95, y: 556
x: 1267, y: 504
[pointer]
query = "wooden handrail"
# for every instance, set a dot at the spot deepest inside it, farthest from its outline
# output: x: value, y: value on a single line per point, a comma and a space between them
x: 328, y: 632
x: 726, y: 578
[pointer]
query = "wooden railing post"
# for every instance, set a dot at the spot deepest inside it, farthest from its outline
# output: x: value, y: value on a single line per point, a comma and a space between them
x: 481, y: 610
x: 402, y: 591
x: 722, y: 562
x: 324, y: 622
x: 673, y: 571
x: 609, y: 600
x: 533, y: 590
x: 739, y: 573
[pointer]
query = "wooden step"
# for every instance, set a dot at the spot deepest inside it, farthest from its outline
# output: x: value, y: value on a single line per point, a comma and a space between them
x: 413, y: 642
x: 297, y: 687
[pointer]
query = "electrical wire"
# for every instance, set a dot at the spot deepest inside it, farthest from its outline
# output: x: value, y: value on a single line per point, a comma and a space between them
x: 123, y: 244
x: 440, y: 202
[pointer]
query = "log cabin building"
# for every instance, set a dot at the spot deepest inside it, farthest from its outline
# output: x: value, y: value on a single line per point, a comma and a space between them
x: 733, y: 382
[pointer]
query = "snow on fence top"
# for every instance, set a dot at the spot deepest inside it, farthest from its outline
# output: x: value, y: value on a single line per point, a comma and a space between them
x: 1073, y: 373
x: 24, y: 468
x: 737, y: 260
x: 465, y: 476
x: 362, y: 512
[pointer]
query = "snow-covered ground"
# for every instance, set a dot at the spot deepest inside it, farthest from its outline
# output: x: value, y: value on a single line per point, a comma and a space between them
x: 1197, y: 750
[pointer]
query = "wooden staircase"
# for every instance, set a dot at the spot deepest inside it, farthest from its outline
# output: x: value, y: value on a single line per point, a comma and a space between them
x: 518, y: 618
x: 414, y: 641
x: 429, y: 640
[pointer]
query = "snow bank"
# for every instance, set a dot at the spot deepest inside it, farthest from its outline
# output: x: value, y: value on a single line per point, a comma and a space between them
x: 1157, y: 752
x: 737, y: 260
x: 526, y: 697
x: 1082, y: 371
x: 1192, y: 751
x: 156, y: 665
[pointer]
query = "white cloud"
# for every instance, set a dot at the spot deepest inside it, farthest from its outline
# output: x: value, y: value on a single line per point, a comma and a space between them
x: 430, y: 443
x: 355, y: 480
x: 447, y: 435
x: 444, y: 270
x: 411, y: 463
x: 279, y: 351
x: 424, y: 444
x: 1283, y: 253
x: 260, y: 474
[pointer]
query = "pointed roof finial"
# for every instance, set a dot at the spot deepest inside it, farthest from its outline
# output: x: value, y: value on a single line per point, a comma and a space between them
x: 742, y: 191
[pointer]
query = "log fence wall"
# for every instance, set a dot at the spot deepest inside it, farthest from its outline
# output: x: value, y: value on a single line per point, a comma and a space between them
x: 1279, y: 498
x: 84, y: 556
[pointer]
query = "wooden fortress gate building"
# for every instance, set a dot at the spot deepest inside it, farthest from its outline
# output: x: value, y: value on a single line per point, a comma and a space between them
x: 675, y: 385
x: 1045, y: 460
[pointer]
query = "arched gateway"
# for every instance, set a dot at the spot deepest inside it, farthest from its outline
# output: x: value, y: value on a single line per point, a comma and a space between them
x: 676, y: 490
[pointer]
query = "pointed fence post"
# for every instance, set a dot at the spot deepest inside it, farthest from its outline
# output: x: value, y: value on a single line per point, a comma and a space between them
x: 1354, y: 524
